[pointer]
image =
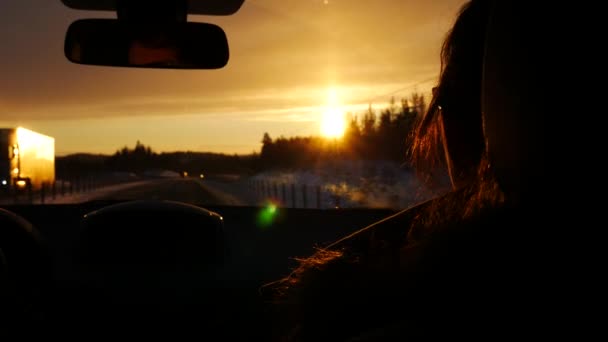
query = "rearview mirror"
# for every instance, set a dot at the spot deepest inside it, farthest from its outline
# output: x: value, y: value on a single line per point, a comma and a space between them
x: 201, y: 7
x: 111, y: 42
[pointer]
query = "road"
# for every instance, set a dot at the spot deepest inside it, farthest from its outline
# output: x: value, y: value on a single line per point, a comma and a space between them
x: 183, y: 190
x: 188, y: 190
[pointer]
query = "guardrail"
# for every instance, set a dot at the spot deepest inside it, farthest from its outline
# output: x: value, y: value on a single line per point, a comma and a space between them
x: 295, y: 195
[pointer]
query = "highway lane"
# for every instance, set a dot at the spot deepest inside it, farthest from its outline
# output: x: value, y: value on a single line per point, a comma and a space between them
x: 188, y: 190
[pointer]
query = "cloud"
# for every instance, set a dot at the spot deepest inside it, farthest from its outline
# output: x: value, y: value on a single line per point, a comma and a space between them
x: 294, y: 104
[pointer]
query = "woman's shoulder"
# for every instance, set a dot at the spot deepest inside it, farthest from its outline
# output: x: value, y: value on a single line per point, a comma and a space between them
x: 353, y: 286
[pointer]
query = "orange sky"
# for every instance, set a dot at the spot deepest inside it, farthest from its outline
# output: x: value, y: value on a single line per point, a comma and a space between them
x: 286, y: 56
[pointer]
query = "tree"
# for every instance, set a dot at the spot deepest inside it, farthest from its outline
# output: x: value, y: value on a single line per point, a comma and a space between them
x: 352, y: 129
x: 369, y: 122
x: 418, y: 103
x: 266, y: 140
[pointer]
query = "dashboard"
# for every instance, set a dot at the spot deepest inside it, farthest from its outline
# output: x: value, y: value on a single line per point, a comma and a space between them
x: 117, y: 264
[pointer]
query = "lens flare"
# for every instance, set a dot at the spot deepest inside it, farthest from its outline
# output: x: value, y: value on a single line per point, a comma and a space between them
x: 267, y: 216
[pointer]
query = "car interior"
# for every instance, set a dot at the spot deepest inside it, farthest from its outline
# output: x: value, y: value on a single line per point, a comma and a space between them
x: 151, y: 267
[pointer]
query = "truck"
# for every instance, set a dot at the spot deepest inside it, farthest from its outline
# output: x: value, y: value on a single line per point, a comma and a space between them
x: 27, y: 159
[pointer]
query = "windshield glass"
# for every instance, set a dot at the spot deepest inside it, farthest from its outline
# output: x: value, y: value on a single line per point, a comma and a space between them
x: 315, y: 109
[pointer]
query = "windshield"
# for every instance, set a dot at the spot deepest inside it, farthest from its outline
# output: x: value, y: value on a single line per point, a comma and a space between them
x: 315, y: 109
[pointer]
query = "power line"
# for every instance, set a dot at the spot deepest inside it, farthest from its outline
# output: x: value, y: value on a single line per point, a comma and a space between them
x: 372, y: 99
x: 396, y: 91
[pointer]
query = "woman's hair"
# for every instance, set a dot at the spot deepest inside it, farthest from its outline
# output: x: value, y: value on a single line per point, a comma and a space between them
x: 451, y: 131
x: 456, y: 101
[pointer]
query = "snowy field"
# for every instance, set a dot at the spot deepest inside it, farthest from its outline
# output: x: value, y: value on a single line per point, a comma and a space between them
x: 344, y: 184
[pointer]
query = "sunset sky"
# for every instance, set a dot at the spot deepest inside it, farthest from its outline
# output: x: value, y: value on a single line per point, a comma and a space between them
x: 289, y: 59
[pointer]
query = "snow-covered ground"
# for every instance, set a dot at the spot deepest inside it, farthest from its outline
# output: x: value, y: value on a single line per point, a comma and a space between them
x: 345, y: 184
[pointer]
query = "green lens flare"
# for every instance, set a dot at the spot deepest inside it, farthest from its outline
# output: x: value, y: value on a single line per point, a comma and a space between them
x: 267, y: 215
x: 272, y: 209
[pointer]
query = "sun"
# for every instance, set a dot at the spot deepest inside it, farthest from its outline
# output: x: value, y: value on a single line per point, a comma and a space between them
x: 333, y: 121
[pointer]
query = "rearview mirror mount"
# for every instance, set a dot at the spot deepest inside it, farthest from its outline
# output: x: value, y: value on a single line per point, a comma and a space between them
x: 170, y: 45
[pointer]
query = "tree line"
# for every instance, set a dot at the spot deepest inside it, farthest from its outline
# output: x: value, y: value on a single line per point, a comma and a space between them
x: 142, y: 158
